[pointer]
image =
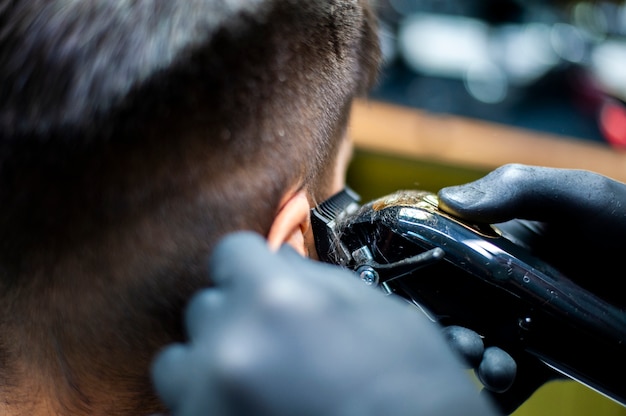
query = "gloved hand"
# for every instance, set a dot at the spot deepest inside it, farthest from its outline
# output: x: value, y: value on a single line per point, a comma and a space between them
x: 572, y: 219
x: 285, y: 335
x: 577, y: 218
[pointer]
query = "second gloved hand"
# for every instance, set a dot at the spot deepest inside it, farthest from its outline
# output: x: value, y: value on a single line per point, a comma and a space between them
x: 282, y: 335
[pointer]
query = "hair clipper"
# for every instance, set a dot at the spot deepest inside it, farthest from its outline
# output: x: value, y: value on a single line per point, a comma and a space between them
x: 481, y: 277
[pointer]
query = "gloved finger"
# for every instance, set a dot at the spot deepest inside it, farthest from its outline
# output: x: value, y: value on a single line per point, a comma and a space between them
x: 241, y: 257
x: 497, y: 370
x: 530, y: 375
x: 244, y: 257
x: 170, y: 375
x: 467, y: 343
x: 337, y: 281
x: 247, y: 271
x: 184, y: 378
x: 304, y: 265
x: 203, y: 312
x: 534, y: 193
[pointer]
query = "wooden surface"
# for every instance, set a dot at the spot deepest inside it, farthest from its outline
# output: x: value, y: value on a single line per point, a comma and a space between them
x: 410, y: 133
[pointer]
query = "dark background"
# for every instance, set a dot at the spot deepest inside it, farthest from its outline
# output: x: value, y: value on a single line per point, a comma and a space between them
x: 564, y: 92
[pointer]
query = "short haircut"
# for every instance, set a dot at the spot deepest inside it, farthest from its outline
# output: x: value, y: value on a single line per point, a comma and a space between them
x: 134, y: 134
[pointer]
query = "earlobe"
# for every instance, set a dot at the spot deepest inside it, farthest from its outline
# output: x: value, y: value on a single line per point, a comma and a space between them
x: 291, y: 223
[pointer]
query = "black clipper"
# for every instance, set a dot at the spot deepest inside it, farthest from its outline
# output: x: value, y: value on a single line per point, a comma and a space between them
x: 483, y: 278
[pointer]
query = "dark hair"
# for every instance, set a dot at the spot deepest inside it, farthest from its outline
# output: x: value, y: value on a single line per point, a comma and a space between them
x: 133, y: 134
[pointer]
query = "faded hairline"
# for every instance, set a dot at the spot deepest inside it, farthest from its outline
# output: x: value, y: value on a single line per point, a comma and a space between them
x: 119, y: 179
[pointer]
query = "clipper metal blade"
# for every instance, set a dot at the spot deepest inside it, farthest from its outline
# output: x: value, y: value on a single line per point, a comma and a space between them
x: 324, y: 218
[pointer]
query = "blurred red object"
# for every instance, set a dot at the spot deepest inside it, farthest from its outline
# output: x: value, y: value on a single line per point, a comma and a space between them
x: 612, y: 122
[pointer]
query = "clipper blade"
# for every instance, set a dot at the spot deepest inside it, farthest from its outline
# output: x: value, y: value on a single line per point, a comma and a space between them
x: 324, y: 220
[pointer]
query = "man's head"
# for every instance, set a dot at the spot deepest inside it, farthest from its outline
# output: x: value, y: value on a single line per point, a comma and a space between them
x: 133, y: 135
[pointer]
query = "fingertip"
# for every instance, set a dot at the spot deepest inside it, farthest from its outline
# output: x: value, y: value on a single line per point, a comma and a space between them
x: 234, y: 250
x: 497, y: 370
x: 202, y: 308
x: 289, y: 253
x: 461, y: 201
x: 235, y: 242
x: 452, y: 199
x: 493, y: 198
x: 168, y: 373
x: 305, y: 266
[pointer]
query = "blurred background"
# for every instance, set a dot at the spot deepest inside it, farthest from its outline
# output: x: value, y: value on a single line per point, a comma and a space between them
x: 468, y: 85
x: 552, y: 66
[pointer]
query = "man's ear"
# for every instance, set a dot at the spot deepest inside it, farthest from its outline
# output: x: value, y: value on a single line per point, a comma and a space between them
x: 291, y: 223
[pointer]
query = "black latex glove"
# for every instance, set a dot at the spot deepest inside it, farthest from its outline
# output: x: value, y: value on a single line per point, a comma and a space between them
x: 493, y: 366
x: 282, y: 335
x: 579, y: 218
x: 573, y: 219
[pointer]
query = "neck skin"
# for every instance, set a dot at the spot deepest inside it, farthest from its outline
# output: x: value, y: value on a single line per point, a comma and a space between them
x: 34, y: 394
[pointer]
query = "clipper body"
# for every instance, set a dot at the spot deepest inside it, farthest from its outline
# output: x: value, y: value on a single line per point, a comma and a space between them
x: 482, y: 278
